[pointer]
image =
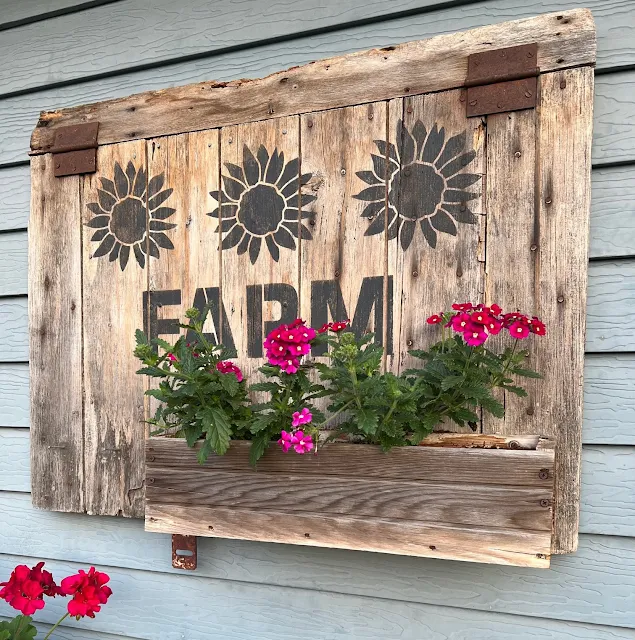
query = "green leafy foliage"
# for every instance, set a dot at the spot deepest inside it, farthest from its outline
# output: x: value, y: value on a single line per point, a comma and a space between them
x: 197, y: 401
x: 20, y: 628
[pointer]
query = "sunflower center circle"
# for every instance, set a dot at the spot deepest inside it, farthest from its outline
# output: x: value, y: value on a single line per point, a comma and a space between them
x: 261, y: 209
x: 420, y: 190
x: 128, y: 220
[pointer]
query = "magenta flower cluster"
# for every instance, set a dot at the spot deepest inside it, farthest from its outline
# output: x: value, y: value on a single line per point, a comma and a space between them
x: 286, y: 344
x: 226, y: 366
x: 300, y: 441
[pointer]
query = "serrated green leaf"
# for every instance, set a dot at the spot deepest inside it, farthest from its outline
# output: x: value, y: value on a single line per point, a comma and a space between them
x: 140, y: 338
x: 230, y: 383
x: 19, y: 628
x: 366, y: 420
x: 519, y: 391
x: 258, y: 448
x: 450, y: 382
x: 218, y: 428
x: 525, y: 373
x: 493, y: 406
x: 271, y: 387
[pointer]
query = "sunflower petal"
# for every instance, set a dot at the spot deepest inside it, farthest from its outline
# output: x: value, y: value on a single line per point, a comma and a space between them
x: 215, y: 195
x: 407, y: 144
x: 162, y: 240
x: 305, y: 234
x: 368, y: 177
x: 292, y: 227
x: 301, y: 200
x: 160, y: 198
x: 99, y: 222
x: 387, y: 149
x: 290, y: 172
x: 131, y: 173
x: 305, y: 178
x: 140, y: 184
x: 232, y: 238
x: 393, y: 229
x: 419, y: 133
x: 460, y: 213
x: 155, y: 185
x: 95, y: 208
x: 106, y: 201
x: 153, y: 250
x: 451, y: 195
x: 124, y: 254
x: 454, y: 166
x: 250, y: 166
x: 290, y: 188
x: 233, y: 188
x: 138, y: 254
x: 109, y: 186
x: 254, y: 249
x: 114, y: 254
x: 376, y: 226
x: 377, y: 192
x: 244, y: 244
x: 273, y: 248
x: 373, y: 209
x: 105, y: 246
x: 228, y: 211
x: 215, y: 213
x: 291, y: 213
x: 463, y: 180
x: 235, y: 172
x: 226, y: 225
x: 429, y: 233
x: 159, y: 225
x: 434, y: 144
x: 163, y: 212
x: 121, y: 181
x: 263, y: 160
x: 275, y: 168
x: 407, y: 233
x: 284, y: 239
x: 453, y: 148
x: 379, y: 165
x: 100, y: 234
x: 441, y: 221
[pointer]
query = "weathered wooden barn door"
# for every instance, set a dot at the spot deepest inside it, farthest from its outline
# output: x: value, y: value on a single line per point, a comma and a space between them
x: 381, y: 187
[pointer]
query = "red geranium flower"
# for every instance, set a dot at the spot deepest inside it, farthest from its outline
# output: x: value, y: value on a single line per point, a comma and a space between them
x: 89, y: 592
x: 435, y: 319
x: 336, y: 327
x: 26, y: 588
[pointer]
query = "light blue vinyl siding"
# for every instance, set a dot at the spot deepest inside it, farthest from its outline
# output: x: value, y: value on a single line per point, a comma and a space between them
x: 60, y: 53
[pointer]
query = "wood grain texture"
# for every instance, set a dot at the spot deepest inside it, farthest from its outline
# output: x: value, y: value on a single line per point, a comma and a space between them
x: 388, y: 508
x: 227, y: 610
x: 55, y: 323
x: 260, y: 176
x: 570, y: 586
x: 330, y: 262
x: 409, y: 68
x: 114, y: 279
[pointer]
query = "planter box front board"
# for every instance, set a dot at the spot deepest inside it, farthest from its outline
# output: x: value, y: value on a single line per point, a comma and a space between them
x: 377, y: 186
x: 481, y: 505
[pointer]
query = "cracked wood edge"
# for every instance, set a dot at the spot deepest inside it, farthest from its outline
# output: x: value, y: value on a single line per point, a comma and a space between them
x: 565, y: 39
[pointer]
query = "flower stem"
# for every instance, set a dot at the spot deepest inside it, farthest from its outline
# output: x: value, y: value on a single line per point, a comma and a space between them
x: 346, y: 406
x: 57, y: 624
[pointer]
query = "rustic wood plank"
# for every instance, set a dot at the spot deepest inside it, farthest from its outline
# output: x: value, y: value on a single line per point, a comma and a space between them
x: 435, y: 255
x: 260, y: 175
x: 335, y: 284
x: 453, y: 503
x: 427, y: 464
x: 481, y: 441
x: 55, y: 317
x: 410, y: 68
x: 115, y: 248
x: 513, y: 238
x: 496, y: 546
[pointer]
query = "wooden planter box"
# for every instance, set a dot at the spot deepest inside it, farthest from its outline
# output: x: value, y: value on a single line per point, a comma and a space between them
x: 452, y: 499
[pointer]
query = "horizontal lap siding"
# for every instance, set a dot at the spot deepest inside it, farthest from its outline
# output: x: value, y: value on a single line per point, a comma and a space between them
x: 268, y: 592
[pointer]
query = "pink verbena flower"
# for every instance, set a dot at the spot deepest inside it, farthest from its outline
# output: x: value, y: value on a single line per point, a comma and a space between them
x: 302, y: 417
x: 519, y: 330
x: 286, y: 440
x: 460, y: 321
x: 172, y: 358
x: 474, y: 335
x: 286, y: 344
x: 225, y: 366
x: 435, y: 319
x: 302, y: 443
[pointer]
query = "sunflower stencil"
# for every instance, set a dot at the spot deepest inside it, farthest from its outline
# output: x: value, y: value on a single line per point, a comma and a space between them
x: 261, y: 201
x: 425, y: 188
x: 129, y: 215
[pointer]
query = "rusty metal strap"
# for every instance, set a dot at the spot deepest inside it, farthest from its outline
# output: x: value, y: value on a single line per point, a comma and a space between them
x: 184, y: 552
x: 75, y: 149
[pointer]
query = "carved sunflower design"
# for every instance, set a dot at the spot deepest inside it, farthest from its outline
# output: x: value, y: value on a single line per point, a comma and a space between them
x: 129, y: 216
x: 425, y: 186
x: 261, y: 201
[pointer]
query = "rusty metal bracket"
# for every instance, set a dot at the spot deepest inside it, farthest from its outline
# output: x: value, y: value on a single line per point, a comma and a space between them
x: 184, y: 552
x: 502, y: 80
x: 75, y: 150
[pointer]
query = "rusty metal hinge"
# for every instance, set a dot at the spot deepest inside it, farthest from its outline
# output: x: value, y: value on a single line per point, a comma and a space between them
x: 502, y: 80
x: 184, y: 552
x: 75, y: 150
